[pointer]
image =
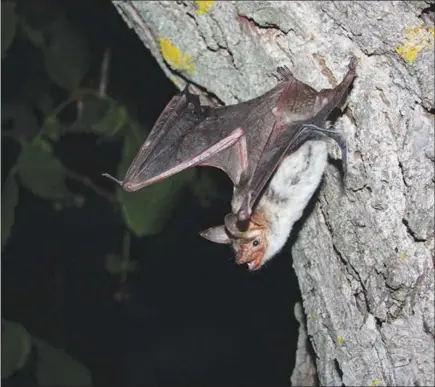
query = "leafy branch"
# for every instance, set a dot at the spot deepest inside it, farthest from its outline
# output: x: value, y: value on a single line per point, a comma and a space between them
x: 65, y: 57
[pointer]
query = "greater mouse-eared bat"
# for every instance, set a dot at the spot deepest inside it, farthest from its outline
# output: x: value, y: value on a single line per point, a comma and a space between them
x: 248, y: 141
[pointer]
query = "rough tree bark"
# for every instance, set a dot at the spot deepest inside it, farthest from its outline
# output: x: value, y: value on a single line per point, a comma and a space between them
x: 364, y: 258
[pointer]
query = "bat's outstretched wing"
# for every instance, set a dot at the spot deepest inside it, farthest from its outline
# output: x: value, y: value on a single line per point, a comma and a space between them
x: 231, y: 138
x: 179, y: 140
x: 301, y: 115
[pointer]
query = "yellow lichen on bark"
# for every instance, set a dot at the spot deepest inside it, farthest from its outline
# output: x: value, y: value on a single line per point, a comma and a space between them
x: 417, y: 39
x: 174, y: 57
x: 203, y: 6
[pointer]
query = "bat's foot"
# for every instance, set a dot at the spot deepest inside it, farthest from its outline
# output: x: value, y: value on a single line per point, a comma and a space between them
x: 352, y: 63
x: 284, y: 72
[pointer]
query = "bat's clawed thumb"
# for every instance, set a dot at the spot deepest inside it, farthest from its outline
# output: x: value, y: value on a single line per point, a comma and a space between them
x: 112, y: 178
x: 236, y: 227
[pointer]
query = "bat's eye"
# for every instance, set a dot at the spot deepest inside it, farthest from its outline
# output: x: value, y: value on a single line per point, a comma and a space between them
x: 255, y: 243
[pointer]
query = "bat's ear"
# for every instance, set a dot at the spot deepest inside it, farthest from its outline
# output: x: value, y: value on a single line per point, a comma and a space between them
x: 216, y: 234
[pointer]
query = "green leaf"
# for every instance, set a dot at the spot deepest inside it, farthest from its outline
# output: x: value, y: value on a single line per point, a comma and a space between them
x: 147, y: 211
x: 94, y: 109
x: 52, y: 128
x: 102, y: 115
x: 16, y: 347
x: 56, y: 368
x: 39, y: 14
x: 67, y: 56
x: 41, y: 171
x: 9, y: 202
x: 35, y: 36
x: 115, y: 119
x: 8, y: 25
x: 24, y: 122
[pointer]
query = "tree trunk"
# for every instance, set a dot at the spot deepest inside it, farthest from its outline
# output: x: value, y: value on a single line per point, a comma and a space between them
x: 364, y: 257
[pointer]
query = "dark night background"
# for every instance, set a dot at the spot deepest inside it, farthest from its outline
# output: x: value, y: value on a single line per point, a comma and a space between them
x: 194, y: 318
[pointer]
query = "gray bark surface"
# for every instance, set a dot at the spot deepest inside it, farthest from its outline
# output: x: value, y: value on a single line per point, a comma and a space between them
x: 364, y: 257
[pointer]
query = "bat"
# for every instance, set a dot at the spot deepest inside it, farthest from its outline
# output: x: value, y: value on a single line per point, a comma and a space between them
x: 258, y: 238
x: 248, y: 141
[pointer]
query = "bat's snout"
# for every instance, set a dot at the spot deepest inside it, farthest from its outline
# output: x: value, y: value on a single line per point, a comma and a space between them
x: 254, y: 259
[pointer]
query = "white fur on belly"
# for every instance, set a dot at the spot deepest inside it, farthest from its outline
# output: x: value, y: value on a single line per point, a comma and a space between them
x: 290, y: 190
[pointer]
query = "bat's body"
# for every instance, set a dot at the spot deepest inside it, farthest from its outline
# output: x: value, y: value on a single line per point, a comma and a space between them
x: 263, y: 145
x: 289, y: 191
x: 278, y: 209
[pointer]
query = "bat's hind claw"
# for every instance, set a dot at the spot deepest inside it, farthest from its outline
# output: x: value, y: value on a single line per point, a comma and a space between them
x: 284, y: 72
x: 352, y: 63
x: 338, y: 136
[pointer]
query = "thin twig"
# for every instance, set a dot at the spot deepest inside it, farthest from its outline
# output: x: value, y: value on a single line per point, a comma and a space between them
x: 104, y: 77
x: 80, y: 107
x: 85, y: 180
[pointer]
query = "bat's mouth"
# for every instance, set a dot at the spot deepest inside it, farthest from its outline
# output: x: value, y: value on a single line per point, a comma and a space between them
x: 253, y: 261
x: 255, y: 264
